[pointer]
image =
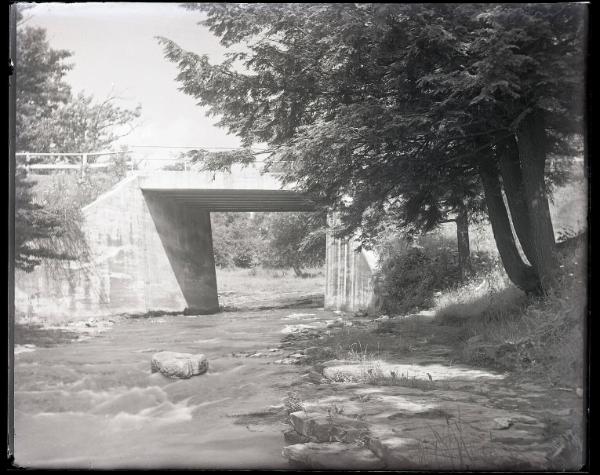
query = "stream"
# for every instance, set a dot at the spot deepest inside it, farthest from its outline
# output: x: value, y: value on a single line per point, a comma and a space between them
x: 95, y: 404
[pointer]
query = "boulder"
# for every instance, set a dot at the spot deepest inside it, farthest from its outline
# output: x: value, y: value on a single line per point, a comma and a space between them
x: 178, y: 365
x: 502, y: 423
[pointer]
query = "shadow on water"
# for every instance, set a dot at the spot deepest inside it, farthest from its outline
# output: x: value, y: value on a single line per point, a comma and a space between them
x: 312, y: 301
x: 39, y: 336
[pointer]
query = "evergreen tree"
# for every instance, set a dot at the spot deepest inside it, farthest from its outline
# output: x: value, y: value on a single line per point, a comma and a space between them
x: 50, y: 119
x: 40, y: 90
x: 418, y: 112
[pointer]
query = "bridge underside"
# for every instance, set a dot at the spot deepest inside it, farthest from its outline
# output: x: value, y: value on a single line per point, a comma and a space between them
x: 182, y: 220
x: 233, y: 200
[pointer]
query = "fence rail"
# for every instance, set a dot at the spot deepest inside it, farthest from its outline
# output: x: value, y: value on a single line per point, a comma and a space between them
x: 132, y: 163
x: 82, y: 166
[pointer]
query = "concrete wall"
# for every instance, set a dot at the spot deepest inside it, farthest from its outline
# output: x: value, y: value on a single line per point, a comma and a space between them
x: 59, y: 290
x: 121, y: 232
x: 349, y: 276
x: 130, y: 268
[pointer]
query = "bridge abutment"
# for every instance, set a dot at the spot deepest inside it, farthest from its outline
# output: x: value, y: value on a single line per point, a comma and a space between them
x: 349, y: 273
x: 186, y: 236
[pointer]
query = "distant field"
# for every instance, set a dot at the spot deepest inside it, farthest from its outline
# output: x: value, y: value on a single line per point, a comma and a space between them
x: 258, y: 286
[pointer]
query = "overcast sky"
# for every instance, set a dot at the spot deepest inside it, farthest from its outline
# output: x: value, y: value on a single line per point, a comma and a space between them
x: 113, y: 46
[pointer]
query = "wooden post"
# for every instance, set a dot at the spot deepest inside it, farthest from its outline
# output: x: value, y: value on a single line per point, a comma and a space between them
x: 462, y: 238
x: 12, y: 166
x: 83, y: 164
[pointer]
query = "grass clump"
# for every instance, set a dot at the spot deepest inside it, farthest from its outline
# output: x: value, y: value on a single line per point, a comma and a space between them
x: 488, y: 295
x: 372, y: 372
x: 352, y: 342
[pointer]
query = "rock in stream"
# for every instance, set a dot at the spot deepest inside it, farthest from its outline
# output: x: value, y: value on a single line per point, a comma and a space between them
x: 178, y: 365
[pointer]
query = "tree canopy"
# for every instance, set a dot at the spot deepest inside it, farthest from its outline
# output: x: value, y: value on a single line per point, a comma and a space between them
x: 41, y: 87
x: 405, y: 111
x: 49, y: 118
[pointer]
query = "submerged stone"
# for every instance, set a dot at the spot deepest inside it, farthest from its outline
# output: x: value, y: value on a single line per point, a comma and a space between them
x: 178, y: 365
x: 397, y: 452
x: 332, y: 455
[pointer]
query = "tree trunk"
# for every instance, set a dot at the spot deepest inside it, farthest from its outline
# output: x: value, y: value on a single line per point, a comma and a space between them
x: 512, y: 180
x: 462, y: 239
x: 522, y: 275
x: 297, y: 270
x: 531, y: 138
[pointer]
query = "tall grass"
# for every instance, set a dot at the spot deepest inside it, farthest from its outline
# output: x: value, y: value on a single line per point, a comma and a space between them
x: 540, y: 336
x: 488, y: 295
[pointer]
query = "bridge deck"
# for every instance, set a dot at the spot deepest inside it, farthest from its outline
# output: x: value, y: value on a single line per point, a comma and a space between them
x: 235, y: 200
x: 244, y: 189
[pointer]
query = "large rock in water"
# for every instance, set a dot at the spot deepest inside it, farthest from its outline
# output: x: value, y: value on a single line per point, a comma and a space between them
x: 178, y: 365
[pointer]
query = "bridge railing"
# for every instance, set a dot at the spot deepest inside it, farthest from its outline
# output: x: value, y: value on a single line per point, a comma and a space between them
x: 135, y: 160
x: 65, y: 161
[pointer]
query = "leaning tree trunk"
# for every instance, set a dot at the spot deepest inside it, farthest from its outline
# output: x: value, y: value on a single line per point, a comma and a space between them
x: 462, y: 238
x: 522, y: 275
x: 512, y: 180
x: 531, y: 138
x: 297, y: 270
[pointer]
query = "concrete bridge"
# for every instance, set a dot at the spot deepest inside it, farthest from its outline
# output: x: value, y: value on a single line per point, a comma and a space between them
x: 150, y: 247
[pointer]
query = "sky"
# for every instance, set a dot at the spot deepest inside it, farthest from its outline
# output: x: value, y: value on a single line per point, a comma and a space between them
x: 114, y: 48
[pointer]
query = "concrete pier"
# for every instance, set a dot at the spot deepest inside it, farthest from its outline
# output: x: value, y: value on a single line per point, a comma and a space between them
x: 186, y: 237
x: 349, y: 275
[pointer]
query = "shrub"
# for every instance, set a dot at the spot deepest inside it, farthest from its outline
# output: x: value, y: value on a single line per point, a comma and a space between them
x: 244, y: 256
x: 408, y: 281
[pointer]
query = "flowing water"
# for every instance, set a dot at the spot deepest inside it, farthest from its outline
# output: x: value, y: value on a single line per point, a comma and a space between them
x: 95, y: 404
